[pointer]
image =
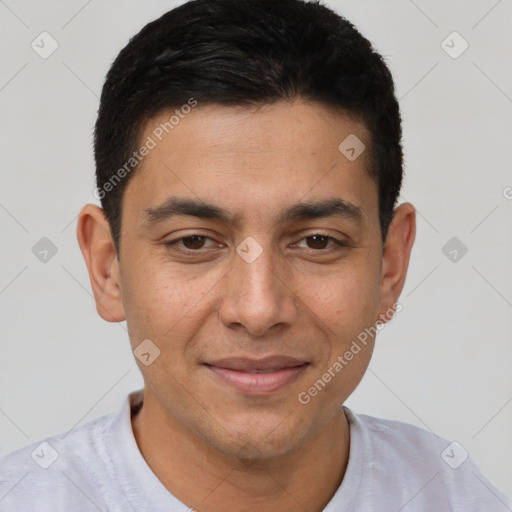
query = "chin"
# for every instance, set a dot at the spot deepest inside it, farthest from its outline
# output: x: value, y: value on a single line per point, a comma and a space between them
x: 256, y: 439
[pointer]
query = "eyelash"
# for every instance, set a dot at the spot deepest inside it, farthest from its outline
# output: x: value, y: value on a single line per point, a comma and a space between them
x: 337, y: 244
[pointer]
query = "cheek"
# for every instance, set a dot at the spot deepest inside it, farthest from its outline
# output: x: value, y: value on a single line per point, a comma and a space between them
x: 345, y: 301
x: 152, y: 302
x: 166, y: 304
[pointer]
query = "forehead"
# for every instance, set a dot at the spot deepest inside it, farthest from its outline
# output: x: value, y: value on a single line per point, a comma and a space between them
x: 252, y: 160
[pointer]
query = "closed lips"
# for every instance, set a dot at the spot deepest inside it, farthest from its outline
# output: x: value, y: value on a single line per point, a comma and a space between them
x: 257, y: 376
x: 266, y: 365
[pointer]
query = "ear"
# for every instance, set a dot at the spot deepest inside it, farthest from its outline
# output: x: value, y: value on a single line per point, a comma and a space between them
x: 395, y: 259
x: 98, y: 249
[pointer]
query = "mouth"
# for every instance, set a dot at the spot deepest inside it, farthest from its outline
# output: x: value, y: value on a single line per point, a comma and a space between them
x: 257, y: 376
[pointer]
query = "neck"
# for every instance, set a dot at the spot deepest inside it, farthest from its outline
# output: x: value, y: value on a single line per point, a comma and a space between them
x: 207, y: 480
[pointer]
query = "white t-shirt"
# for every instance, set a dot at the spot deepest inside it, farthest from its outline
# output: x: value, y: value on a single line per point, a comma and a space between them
x: 97, y: 466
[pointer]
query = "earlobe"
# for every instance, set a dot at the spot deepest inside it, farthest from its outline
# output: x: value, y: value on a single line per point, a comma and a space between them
x: 396, y: 256
x: 98, y: 250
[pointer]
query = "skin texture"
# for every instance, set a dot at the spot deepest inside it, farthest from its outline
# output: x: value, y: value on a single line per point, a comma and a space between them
x: 209, y: 444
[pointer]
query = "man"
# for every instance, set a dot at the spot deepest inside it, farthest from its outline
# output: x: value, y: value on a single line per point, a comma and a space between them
x: 248, y: 162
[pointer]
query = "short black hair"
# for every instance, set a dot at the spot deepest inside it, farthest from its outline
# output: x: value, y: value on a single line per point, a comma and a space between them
x: 245, y: 53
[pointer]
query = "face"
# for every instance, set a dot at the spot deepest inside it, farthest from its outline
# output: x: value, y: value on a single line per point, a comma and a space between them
x: 251, y: 256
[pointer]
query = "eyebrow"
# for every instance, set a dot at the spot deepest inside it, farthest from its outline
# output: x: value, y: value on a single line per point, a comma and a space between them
x: 176, y: 206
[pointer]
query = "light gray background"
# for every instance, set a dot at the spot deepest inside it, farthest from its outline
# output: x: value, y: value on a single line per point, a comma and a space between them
x: 444, y: 363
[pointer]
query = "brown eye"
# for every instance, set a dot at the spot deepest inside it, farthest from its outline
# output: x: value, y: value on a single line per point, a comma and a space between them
x: 197, y: 244
x: 317, y: 241
x: 320, y: 244
x: 193, y: 242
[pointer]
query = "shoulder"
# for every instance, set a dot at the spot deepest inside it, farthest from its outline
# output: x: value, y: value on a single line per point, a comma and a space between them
x: 62, y: 469
x: 403, y: 440
x: 422, y: 466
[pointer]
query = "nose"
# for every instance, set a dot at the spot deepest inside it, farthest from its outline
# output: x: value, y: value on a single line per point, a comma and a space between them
x: 258, y: 297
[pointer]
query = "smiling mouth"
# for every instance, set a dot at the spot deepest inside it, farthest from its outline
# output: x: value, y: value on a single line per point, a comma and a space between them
x: 257, y: 377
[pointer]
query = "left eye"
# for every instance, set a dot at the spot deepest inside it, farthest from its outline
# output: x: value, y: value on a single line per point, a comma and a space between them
x: 319, y: 241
